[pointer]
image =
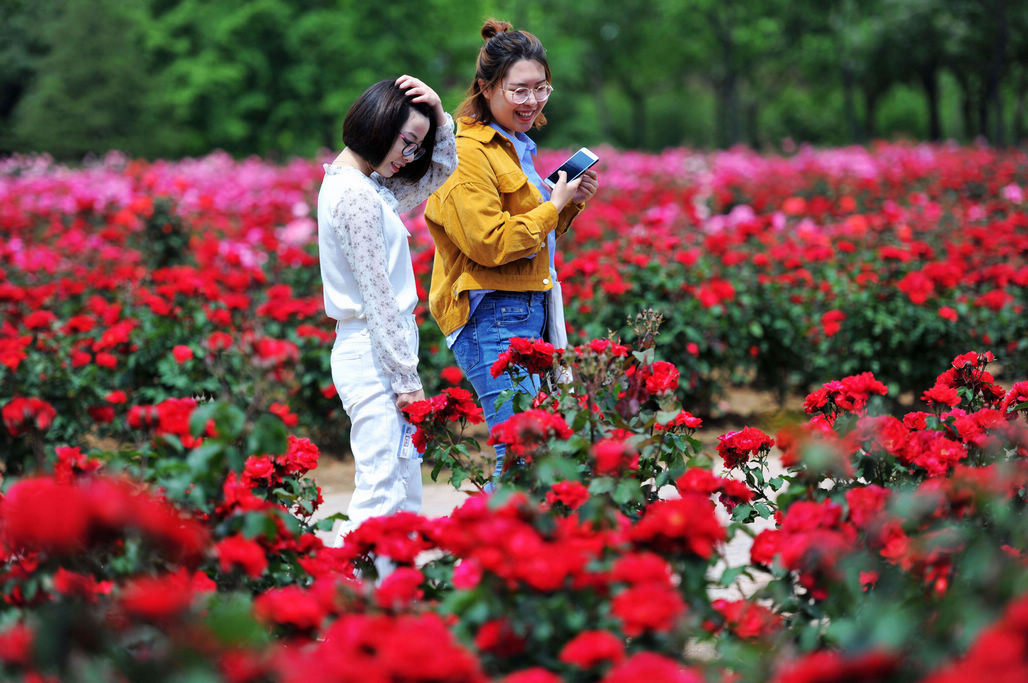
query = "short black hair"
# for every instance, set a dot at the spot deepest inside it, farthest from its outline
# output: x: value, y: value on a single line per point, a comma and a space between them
x: 375, y: 120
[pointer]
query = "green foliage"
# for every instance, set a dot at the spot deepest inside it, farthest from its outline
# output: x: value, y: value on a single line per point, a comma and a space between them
x: 275, y: 77
x: 88, y: 92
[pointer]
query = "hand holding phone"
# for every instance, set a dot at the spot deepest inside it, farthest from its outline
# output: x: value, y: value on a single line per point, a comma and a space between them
x: 579, y: 163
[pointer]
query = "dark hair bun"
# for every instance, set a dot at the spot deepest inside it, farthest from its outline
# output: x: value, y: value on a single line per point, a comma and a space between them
x: 494, y: 27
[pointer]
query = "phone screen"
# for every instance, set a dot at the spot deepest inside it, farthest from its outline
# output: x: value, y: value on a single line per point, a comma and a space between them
x: 574, y: 167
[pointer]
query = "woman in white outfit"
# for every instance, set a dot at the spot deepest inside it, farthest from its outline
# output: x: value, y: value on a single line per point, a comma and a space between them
x: 399, y: 147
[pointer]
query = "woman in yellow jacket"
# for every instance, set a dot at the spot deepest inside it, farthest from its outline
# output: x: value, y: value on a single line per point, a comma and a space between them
x: 494, y: 221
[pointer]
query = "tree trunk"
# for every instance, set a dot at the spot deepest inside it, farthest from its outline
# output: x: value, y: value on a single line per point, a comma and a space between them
x: 983, y: 117
x: 997, y: 66
x: 732, y: 104
x: 1019, y: 128
x: 602, y: 110
x: 930, y: 81
x: 848, y: 106
x: 725, y: 87
x: 640, y: 127
x: 870, y: 107
x: 752, y: 127
x: 966, y: 104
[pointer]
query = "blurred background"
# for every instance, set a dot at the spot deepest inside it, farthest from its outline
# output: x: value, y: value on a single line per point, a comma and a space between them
x: 175, y: 78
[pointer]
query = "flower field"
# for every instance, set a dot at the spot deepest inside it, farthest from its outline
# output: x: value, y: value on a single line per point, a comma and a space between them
x: 166, y: 396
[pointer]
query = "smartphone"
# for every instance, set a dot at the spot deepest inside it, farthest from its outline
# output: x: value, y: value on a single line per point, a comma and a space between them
x: 579, y: 162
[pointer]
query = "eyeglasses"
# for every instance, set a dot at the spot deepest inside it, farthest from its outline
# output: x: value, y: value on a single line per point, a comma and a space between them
x: 411, y: 149
x: 520, y: 95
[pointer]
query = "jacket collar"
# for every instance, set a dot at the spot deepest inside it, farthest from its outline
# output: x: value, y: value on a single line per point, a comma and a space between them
x: 468, y: 127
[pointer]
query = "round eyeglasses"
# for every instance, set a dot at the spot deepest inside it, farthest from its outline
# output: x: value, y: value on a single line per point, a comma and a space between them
x: 411, y: 149
x: 520, y: 95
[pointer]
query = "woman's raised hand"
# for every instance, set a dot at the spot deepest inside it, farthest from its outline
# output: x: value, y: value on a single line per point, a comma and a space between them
x: 419, y: 91
x: 585, y: 191
x: 564, y: 191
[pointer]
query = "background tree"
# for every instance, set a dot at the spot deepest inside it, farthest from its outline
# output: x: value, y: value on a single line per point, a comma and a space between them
x: 87, y: 92
x: 275, y: 77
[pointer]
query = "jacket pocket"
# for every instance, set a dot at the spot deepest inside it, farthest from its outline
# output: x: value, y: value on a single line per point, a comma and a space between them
x: 511, y: 181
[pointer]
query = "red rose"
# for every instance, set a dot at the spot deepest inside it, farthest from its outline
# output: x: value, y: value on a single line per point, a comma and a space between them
x: 157, y: 598
x: 590, y: 648
x: 106, y: 360
x: 612, y: 456
x: 400, y: 588
x: 649, y: 666
x: 571, y: 493
x: 647, y: 607
x: 182, y: 353
x: 282, y: 410
x: 237, y: 551
x: 259, y: 468
x: 451, y: 374
x: 16, y: 645
x: 662, y: 377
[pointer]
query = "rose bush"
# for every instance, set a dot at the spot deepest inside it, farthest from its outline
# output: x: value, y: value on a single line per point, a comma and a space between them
x: 897, y: 543
x: 199, y: 277
x: 165, y: 381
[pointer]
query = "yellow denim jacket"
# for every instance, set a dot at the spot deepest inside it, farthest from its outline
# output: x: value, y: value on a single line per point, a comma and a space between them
x: 485, y: 220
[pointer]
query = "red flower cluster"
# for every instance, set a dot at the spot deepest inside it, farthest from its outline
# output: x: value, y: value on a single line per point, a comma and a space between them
x: 300, y: 457
x: 705, y: 482
x: 850, y: 394
x: 505, y: 544
x: 684, y: 420
x: 365, y: 647
x: 736, y: 447
x: 21, y: 414
x: 534, y: 356
x: 967, y: 371
x: 747, y: 619
x: 811, y: 539
x: 528, y: 433
x: 45, y: 515
x: 1017, y: 396
x: 681, y: 526
x: 572, y: 494
x: 401, y: 537
x: 614, y: 456
x: 169, y: 417
x: 159, y: 598
x: 453, y: 405
x: 660, y: 377
x: 826, y: 665
x: 601, y: 346
x: 72, y: 463
x: 592, y: 648
x: 997, y: 654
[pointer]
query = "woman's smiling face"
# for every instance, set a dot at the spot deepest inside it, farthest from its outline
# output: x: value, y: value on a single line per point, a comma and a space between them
x: 414, y: 130
x: 526, y: 73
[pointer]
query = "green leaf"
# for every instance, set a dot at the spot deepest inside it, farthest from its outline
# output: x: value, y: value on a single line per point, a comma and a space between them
x: 269, y: 436
x: 230, y: 619
x: 729, y: 576
x: 627, y: 490
x: 229, y: 420
x: 257, y: 524
x: 741, y: 512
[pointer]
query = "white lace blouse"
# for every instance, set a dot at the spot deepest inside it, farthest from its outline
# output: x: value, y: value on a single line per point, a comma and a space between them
x: 366, y: 267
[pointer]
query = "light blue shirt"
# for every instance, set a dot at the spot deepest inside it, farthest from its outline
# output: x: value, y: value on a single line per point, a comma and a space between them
x: 525, y: 148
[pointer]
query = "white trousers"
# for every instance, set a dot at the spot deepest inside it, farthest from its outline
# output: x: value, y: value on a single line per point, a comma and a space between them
x: 384, y: 482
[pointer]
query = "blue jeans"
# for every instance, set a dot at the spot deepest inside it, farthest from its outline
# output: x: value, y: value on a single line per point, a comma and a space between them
x: 498, y: 317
